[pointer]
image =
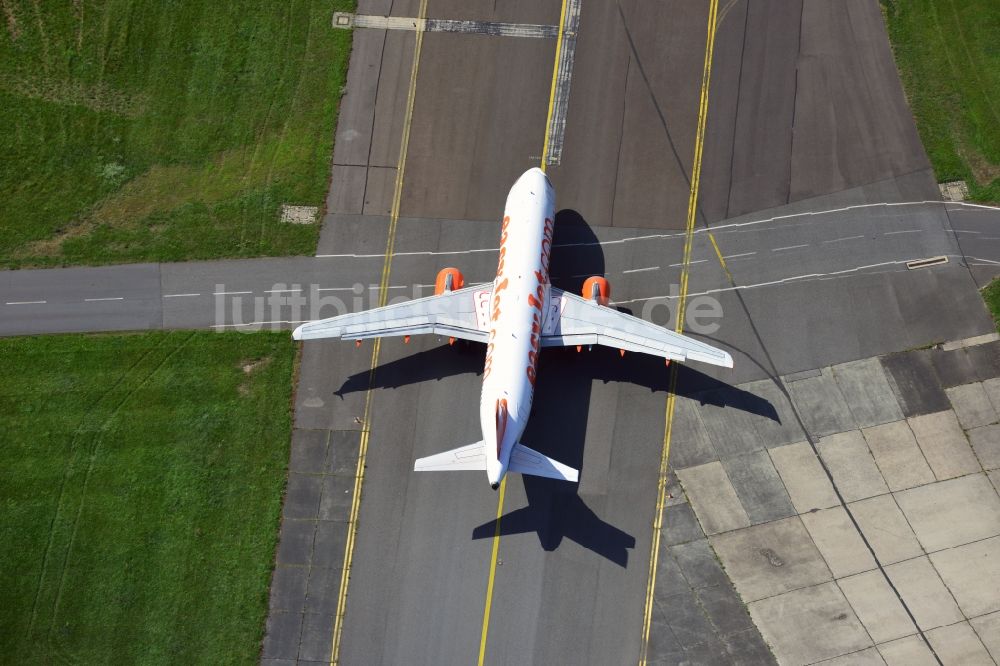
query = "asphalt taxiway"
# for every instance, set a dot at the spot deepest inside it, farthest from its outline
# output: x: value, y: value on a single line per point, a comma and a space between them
x: 569, y: 575
x: 804, y: 114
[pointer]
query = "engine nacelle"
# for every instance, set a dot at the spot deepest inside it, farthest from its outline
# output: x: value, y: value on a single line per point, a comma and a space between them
x: 448, y: 279
x: 597, y: 289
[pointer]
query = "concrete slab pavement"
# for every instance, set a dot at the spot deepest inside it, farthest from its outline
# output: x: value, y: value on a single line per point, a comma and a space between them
x: 972, y: 573
x: 838, y: 541
x: 952, y: 513
x: 852, y: 465
x: 877, y: 606
x: 810, y: 624
x: 918, y: 535
x: 985, y: 443
x: 912, y: 650
x: 971, y: 405
x: 988, y: 629
x: 944, y: 445
x: 886, y: 530
x: 766, y: 560
x: 897, y: 455
x: 959, y: 644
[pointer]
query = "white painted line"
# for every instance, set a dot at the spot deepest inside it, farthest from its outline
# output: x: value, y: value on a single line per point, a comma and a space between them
x: 789, y: 247
x: 114, y: 298
x: 699, y: 261
x: 388, y: 22
x: 735, y: 227
x: 229, y: 293
x: 260, y: 323
x: 566, y: 52
x: 373, y: 287
x: 794, y: 278
x: 282, y: 291
x: 967, y: 231
x: 26, y: 302
x: 642, y: 270
x: 178, y: 295
x: 736, y: 256
x: 424, y: 253
x: 903, y: 231
x: 845, y: 238
x: 494, y: 29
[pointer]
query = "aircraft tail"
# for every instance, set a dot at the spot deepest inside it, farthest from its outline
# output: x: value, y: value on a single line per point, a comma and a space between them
x: 529, y: 461
x: 473, y: 457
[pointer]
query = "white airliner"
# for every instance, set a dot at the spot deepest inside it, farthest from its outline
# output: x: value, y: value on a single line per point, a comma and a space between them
x: 516, y: 315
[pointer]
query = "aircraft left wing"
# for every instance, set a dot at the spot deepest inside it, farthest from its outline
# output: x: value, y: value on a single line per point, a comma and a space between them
x: 456, y: 314
x: 572, y: 320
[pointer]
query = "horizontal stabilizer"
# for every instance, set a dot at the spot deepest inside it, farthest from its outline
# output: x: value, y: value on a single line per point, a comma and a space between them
x: 529, y: 461
x: 470, y: 456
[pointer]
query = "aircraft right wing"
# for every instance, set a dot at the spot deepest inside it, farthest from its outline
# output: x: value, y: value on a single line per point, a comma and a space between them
x: 529, y: 461
x: 457, y: 314
x: 573, y: 320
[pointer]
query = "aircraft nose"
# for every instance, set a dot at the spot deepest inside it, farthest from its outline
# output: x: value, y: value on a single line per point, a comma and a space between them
x: 534, y: 177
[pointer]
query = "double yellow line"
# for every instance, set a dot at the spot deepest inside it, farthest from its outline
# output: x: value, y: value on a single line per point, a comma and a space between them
x: 692, y: 216
x: 383, y: 297
x: 491, y: 578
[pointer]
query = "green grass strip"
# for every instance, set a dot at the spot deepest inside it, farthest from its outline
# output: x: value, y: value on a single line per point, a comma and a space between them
x: 141, y: 490
x: 142, y: 130
x: 948, y: 56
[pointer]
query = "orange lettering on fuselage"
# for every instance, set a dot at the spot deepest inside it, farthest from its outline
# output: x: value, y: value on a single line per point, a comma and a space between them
x: 537, y: 301
x: 501, y: 285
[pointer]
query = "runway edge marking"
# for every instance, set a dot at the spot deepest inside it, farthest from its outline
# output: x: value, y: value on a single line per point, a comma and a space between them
x: 491, y: 578
x: 692, y: 214
x: 352, y: 528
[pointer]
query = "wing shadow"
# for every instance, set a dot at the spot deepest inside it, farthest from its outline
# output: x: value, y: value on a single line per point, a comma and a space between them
x: 598, y: 364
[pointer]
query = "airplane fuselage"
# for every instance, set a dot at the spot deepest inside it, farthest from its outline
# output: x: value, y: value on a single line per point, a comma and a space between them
x: 517, y: 309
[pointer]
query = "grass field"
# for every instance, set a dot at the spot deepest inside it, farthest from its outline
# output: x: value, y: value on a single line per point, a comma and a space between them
x: 136, y: 130
x: 991, y: 294
x: 948, y: 55
x: 141, y: 484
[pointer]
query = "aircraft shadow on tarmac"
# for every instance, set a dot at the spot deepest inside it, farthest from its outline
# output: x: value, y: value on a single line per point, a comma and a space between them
x: 558, y: 426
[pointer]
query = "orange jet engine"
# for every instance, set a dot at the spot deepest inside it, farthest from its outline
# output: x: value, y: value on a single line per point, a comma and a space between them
x: 448, y: 279
x: 597, y: 289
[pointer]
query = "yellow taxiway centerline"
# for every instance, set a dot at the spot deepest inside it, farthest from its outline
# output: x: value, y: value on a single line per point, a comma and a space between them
x: 692, y: 216
x: 383, y: 297
x: 503, y: 484
x: 492, y: 576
